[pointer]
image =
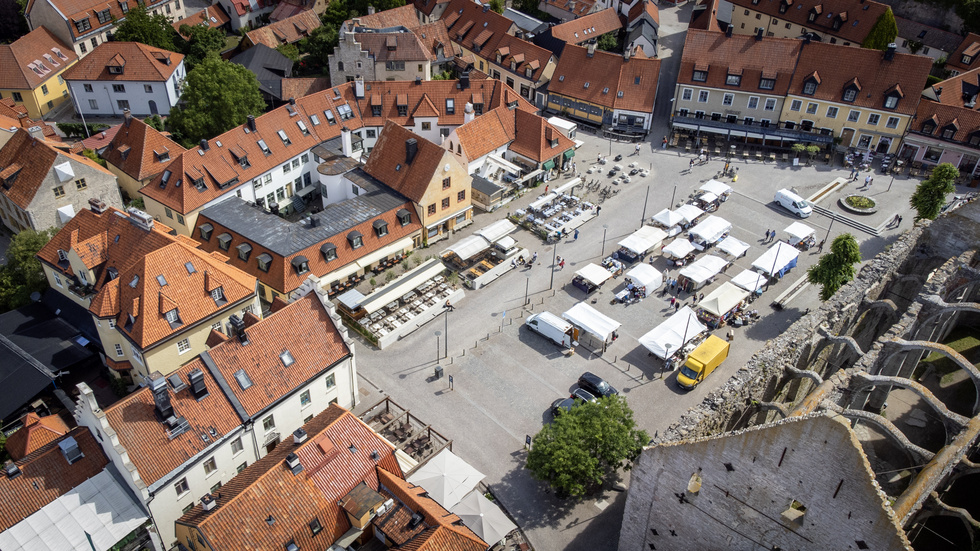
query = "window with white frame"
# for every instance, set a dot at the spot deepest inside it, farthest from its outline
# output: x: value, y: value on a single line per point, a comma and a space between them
x: 210, y: 466
x: 753, y: 102
x: 181, y: 487
x: 331, y: 381
x: 770, y: 104
x: 892, y: 122
x: 236, y: 446
x: 119, y: 350
x: 703, y: 96
x: 183, y: 345
x: 873, y: 119
x: 136, y: 354
x: 269, y: 423
x: 811, y: 108
x: 57, y: 280
x: 796, y: 105
x: 728, y: 99
x: 687, y: 94
x: 853, y: 116
x: 304, y: 399
x: 831, y: 112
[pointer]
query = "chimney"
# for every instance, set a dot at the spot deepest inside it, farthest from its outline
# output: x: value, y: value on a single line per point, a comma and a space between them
x: 292, y: 101
x: 370, y: 10
x: 204, y: 145
x: 729, y: 30
x: 250, y: 123
x: 127, y: 117
x: 411, y: 149
x: 11, y: 469
x: 161, y: 397
x: 418, y: 81
x: 345, y: 140
x: 293, y: 464
x: 140, y: 219
x: 590, y: 50
x: 939, y: 92
x: 468, y: 113
x: 359, y: 88
x: 464, y: 80
x: 758, y: 34
x: 98, y: 206
x: 299, y: 436
x: 208, y: 502
x: 198, y: 387
x: 486, y: 8
x: 890, y: 52
x: 626, y: 53
x: 806, y: 39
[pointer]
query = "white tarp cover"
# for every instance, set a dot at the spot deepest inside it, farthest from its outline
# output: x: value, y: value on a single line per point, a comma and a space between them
x: 676, y: 331
x: 596, y: 275
x: 679, y: 248
x: 99, y: 506
x: 716, y: 187
x: 799, y: 231
x: 704, y: 268
x: 647, y: 276
x: 446, y: 478
x: 651, y: 234
x: 636, y: 244
x: 401, y: 286
x: 711, y: 229
x: 689, y: 213
x: 733, y: 246
x: 668, y: 218
x: 708, y: 197
x: 351, y: 299
x: 749, y: 280
x: 468, y: 247
x: 591, y: 320
x: 497, y: 230
x: 777, y: 258
x: 543, y: 201
x: 723, y: 299
x: 506, y: 243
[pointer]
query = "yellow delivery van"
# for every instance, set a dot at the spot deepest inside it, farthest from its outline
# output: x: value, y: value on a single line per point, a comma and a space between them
x: 705, y: 358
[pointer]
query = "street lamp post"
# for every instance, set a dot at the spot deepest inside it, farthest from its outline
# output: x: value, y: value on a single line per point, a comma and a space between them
x: 526, y: 286
x: 446, y: 320
x: 604, y: 228
x: 438, y: 347
x: 554, y: 262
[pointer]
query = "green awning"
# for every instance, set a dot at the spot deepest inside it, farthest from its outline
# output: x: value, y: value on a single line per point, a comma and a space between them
x: 548, y: 165
x: 570, y: 153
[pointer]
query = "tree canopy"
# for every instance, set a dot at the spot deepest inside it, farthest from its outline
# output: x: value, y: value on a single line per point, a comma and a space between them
x: 22, y: 275
x: 218, y: 95
x: 608, y: 41
x: 584, y: 445
x: 883, y: 33
x: 835, y: 268
x: 930, y: 194
x: 142, y: 26
x: 200, y: 42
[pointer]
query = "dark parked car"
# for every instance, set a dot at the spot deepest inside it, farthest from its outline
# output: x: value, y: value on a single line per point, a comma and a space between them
x: 564, y: 404
x: 595, y: 385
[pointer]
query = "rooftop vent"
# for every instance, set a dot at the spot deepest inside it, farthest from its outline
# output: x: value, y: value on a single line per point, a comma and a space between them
x: 176, y: 383
x: 411, y: 149
x: 352, y: 448
x: 250, y: 123
x: 204, y: 145
x: 299, y: 436
x: 198, y: 387
x: 208, y: 502
x: 11, y: 470
x: 293, y: 464
x: 758, y: 34
x: 890, y: 52
x: 416, y: 520
x: 161, y: 398
x: 287, y: 358
x: 375, y: 456
x: 270, y: 520
x: 140, y: 219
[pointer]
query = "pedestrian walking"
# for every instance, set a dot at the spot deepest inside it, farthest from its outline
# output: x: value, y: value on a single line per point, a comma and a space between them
x: 820, y: 246
x: 677, y: 306
x: 766, y: 238
x: 731, y: 334
x: 663, y: 144
x: 449, y: 306
x: 561, y: 265
x: 575, y: 235
x: 597, y: 209
x: 673, y: 301
x: 867, y: 181
x: 871, y: 182
x: 899, y: 222
x: 534, y: 257
x: 546, y: 188
x: 853, y: 171
x: 574, y: 167
x: 700, y: 297
x: 636, y: 150
x: 690, y: 166
x: 895, y: 221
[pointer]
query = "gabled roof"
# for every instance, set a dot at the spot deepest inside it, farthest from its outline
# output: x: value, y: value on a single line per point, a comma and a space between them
x: 212, y: 17
x: 705, y: 16
x: 858, y: 18
x: 140, y: 150
x: 402, y: 16
x: 394, y: 47
x: 270, y: 67
x: 644, y: 7
x: 575, y: 8
x: 525, y: 54
x: 32, y: 59
x: 471, y: 24
x: 304, y: 86
x: 35, y: 434
x: 958, y: 101
x: 288, y: 8
x: 434, y: 35
x: 926, y: 35
x: 589, y: 27
x: 274, y: 342
x: 388, y: 162
x: 484, y: 134
x: 278, y: 505
x: 81, y: 10
x: 720, y: 55
x: 141, y: 63
x: 17, y: 115
x: 289, y: 30
x: 46, y: 476
x: 534, y: 136
x: 607, y: 76
x: 969, y: 46
x: 426, y: 7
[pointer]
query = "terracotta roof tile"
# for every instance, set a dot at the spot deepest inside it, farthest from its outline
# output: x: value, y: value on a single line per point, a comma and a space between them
x: 299, y: 87
x: 857, y: 18
x: 388, y: 164
x: 644, y: 7
x: 17, y: 114
x: 142, y: 63
x: 575, y: 8
x: 139, y: 150
x: 589, y: 27
x: 47, y: 476
x: 433, y: 35
x: 32, y: 59
x: 484, y: 134
x: 212, y: 17
x: 427, y: 6
x: 533, y: 137
x: 707, y: 18
x: 36, y: 432
x: 774, y: 58
x: 468, y: 24
x: 81, y: 10
x: 403, y: 16
x: 394, y: 47
x: 608, y: 75
x: 525, y: 54
x: 425, y: 108
x: 956, y: 108
x: 967, y: 47
x: 289, y: 30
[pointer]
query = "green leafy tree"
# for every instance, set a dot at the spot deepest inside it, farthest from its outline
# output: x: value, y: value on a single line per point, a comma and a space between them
x: 289, y: 50
x: 882, y: 33
x: 22, y: 275
x: 201, y: 41
x: 608, y: 41
x: 317, y: 47
x: 930, y: 194
x: 218, y: 95
x: 835, y: 268
x: 336, y: 13
x: 142, y: 26
x: 497, y: 6
x: 361, y: 6
x: 585, y: 445
x: 154, y: 122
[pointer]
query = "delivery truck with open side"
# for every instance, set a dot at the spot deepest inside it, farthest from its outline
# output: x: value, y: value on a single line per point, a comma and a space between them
x: 702, y: 361
x: 553, y: 328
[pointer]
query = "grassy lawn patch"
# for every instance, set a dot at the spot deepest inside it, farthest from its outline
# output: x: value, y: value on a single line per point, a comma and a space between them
x: 966, y: 341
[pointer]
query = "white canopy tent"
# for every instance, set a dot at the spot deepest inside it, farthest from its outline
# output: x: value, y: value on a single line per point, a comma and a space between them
x: 506, y: 243
x: 723, y: 299
x: 543, y: 201
x: 711, y: 229
x: 672, y: 334
x: 483, y: 517
x: 704, y: 268
x: 592, y: 321
x: 716, y: 187
x: 749, y: 280
x: 733, y: 247
x: 494, y: 232
x: 708, y: 197
x: 668, y: 218
x: 647, y: 276
x: 643, y: 239
x: 468, y: 247
x: 596, y: 275
x: 689, y: 213
x: 799, y: 231
x: 778, y: 259
x: 679, y: 248
x: 447, y: 478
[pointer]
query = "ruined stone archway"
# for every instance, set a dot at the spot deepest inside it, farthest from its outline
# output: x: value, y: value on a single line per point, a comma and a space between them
x: 897, y: 346
x: 952, y: 422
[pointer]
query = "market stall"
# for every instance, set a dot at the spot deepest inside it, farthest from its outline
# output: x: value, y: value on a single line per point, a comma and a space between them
x: 718, y: 306
x: 734, y: 248
x: 675, y: 333
x: 640, y: 281
x: 679, y: 252
x: 591, y: 277
x: 613, y: 266
x: 636, y: 245
x: 710, y: 231
x: 670, y: 221
x: 706, y: 201
x: 750, y: 281
x: 777, y: 260
x: 801, y: 236
x: 690, y: 215
x: 720, y: 189
x: 597, y: 329
x: 700, y: 273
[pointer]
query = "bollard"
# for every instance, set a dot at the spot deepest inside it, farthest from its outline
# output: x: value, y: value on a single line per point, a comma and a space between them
x: 464, y: 351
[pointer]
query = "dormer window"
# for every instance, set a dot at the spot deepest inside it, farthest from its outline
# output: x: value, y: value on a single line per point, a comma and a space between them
x: 244, y: 250
x: 513, y: 65
x: 162, y: 156
x: 500, y: 58
x: 892, y: 95
x: 206, y: 230
x: 380, y: 228
x: 264, y: 260
x: 199, y: 183
x: 966, y: 59
x: 810, y: 88
x: 929, y: 126
x: 402, y: 110
x: 115, y: 69
x: 329, y: 251
x: 62, y: 256
x: 84, y: 25
x: 224, y: 241
x: 355, y: 239
x: 301, y: 264
x: 733, y: 80
x: 783, y: 6
x: 528, y: 72
x: 172, y: 317
x: 404, y: 217
x: 700, y: 76
x: 950, y: 130
x: 812, y: 17
x: 104, y: 16
x: 836, y: 24
x: 218, y: 295
x: 767, y: 83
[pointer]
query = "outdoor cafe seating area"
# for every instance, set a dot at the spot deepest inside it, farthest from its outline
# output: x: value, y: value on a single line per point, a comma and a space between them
x: 405, y: 431
x: 401, y: 310
x: 557, y: 212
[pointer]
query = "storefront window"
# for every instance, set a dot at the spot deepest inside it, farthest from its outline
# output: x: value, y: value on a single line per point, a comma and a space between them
x: 932, y: 155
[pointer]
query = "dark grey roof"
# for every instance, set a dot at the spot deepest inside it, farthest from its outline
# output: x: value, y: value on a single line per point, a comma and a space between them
x: 269, y: 66
x: 525, y: 22
x: 284, y: 238
x: 485, y: 186
x: 21, y: 378
x: 930, y: 36
x: 47, y: 338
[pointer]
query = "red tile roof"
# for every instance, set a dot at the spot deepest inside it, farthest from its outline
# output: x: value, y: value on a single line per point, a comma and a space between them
x: 36, y: 432
x: 589, y: 27
x: 212, y: 17
x: 524, y: 54
x: 80, y: 10
x: 47, y: 476
x: 427, y: 6
x: 314, y: 350
x: 139, y: 150
x: 299, y: 87
x: 388, y: 163
x: 32, y: 59
x: 641, y: 7
x: 858, y: 18
x: 705, y: 18
x: 534, y: 136
x: 434, y: 35
x: 608, y: 75
x: 100, y: 139
x: 17, y: 115
x: 739, y: 54
x: 471, y: 24
x: 289, y: 30
x: 142, y: 63
x: 575, y: 8
x: 394, y: 47
x: 287, y: 8
x: 971, y: 47
x: 484, y: 134
x: 956, y: 108
x: 403, y: 16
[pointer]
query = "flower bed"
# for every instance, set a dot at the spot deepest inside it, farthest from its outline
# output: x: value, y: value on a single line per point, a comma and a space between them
x: 859, y: 204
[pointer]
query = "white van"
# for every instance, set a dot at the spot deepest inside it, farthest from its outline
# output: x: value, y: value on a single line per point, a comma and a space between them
x: 793, y: 203
x: 553, y: 328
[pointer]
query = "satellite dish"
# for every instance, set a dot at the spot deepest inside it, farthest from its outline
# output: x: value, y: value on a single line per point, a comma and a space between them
x: 35, y: 296
x: 446, y: 168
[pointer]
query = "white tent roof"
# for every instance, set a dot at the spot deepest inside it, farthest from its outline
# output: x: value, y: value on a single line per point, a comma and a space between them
x: 679, y: 248
x: 668, y: 218
x: 468, y: 247
x: 711, y: 228
x: 483, y: 517
x: 716, y: 187
x: 446, y: 478
x: 723, y: 299
x: 643, y: 239
x: 704, y: 268
x: 799, y: 230
x: 351, y: 299
x: 672, y: 332
x: 646, y: 276
x: 498, y: 229
x: 543, y: 201
x: 652, y: 234
x: 776, y: 258
x: 749, y: 280
x: 733, y: 246
x: 708, y: 197
x: 689, y: 212
x: 591, y: 320
x: 597, y: 275
x: 506, y: 242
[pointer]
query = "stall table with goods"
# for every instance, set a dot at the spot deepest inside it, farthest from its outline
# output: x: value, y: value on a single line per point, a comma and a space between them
x: 719, y: 305
x: 590, y: 277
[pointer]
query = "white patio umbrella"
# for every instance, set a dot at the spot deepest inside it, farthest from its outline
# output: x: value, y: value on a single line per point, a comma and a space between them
x: 483, y: 517
x: 447, y: 478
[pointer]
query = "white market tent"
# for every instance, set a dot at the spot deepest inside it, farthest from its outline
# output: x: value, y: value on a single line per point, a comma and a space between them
x: 673, y: 333
x: 592, y: 321
x: 708, y: 197
x: 733, y: 247
x: 716, y: 187
x: 723, y: 299
x: 446, y: 478
x: 468, y: 247
x: 749, y: 280
x: 647, y: 276
x: 799, y: 231
x: 689, y: 213
x: 679, y: 248
x: 596, y: 275
x: 778, y: 259
x: 494, y: 232
x: 643, y: 239
x: 704, y: 268
x: 668, y: 218
x: 483, y: 517
x: 506, y: 243
x: 711, y: 229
